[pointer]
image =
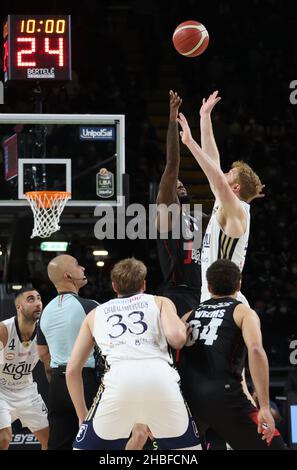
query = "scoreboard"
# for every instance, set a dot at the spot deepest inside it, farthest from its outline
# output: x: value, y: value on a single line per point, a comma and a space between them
x: 37, y: 47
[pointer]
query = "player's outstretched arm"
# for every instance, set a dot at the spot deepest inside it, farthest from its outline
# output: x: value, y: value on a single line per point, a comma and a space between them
x: 167, y: 188
x: 219, y: 184
x: 167, y: 194
x: 258, y: 366
x: 208, y: 142
x: 81, y: 350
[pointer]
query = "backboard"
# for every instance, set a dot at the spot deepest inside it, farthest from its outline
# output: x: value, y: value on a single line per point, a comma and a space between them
x: 82, y: 154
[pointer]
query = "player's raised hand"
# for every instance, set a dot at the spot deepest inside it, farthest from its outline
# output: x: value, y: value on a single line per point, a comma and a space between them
x: 208, y: 105
x: 185, y: 133
x: 175, y: 102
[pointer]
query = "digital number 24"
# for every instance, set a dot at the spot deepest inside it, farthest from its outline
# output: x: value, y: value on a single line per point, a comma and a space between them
x: 28, y: 52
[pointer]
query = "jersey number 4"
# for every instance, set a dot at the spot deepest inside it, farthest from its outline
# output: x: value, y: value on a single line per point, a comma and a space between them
x: 206, y: 333
x: 11, y: 345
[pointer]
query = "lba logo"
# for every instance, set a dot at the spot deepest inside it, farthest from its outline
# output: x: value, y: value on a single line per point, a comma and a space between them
x: 97, y: 133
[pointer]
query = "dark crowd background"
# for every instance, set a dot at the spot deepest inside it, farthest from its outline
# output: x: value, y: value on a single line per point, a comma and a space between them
x: 119, y: 49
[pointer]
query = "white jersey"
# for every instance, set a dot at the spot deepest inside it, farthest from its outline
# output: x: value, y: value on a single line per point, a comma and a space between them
x: 217, y: 245
x: 130, y: 328
x: 17, y: 359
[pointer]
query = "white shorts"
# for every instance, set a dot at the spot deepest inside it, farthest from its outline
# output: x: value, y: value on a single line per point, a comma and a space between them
x: 135, y: 391
x: 26, y: 405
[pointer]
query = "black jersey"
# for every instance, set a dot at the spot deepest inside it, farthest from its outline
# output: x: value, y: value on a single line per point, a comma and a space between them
x: 215, y: 348
x: 211, y: 376
x: 180, y: 262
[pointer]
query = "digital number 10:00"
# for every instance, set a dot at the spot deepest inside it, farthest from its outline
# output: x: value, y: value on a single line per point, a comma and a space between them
x: 50, y: 26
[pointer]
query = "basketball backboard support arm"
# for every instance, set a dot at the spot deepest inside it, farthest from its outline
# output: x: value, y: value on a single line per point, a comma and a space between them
x: 115, y: 120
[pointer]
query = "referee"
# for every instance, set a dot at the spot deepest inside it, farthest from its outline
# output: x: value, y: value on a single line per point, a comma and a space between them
x: 57, y: 331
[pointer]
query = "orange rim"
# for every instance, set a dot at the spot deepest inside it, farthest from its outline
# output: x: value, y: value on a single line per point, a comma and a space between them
x: 46, y: 198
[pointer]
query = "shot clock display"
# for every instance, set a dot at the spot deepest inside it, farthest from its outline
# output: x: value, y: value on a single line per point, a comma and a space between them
x: 37, y: 47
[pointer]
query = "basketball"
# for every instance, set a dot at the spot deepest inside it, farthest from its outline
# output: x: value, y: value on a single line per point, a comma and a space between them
x: 190, y: 38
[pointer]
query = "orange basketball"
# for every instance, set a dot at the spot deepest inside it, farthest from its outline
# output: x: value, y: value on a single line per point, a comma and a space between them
x: 190, y: 38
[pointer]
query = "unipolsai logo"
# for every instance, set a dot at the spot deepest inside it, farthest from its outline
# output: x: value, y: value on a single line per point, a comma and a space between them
x: 96, y: 133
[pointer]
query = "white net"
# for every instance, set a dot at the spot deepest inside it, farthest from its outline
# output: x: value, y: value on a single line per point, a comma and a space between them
x: 47, y: 207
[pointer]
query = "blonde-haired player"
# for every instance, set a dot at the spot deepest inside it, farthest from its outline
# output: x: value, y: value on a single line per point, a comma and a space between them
x: 227, y: 233
x: 139, y: 385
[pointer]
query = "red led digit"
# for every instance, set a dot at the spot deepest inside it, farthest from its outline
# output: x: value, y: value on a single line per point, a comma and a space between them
x: 59, y: 51
x: 20, y: 61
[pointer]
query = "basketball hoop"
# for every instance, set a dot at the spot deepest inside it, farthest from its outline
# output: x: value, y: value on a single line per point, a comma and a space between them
x: 47, y: 207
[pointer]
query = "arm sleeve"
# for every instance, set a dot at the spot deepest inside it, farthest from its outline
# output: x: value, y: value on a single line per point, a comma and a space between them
x: 41, y: 341
x: 87, y: 304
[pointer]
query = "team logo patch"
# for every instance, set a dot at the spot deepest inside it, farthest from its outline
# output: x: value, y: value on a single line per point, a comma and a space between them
x: 82, y: 432
x: 9, y: 356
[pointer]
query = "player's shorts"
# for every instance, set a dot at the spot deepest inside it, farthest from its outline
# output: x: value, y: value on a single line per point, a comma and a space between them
x: 26, y: 405
x: 223, y: 407
x: 133, y: 391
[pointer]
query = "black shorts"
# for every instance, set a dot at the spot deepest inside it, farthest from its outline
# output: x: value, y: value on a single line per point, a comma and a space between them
x: 223, y: 407
x: 63, y: 421
x: 184, y: 298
